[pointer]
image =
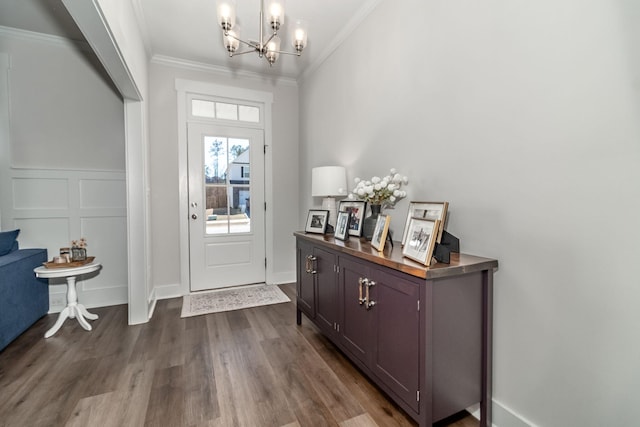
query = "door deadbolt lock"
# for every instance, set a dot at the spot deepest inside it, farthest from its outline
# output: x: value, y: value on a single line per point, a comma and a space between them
x: 194, y: 216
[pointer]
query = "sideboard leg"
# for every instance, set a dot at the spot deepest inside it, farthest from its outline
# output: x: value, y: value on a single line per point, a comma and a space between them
x: 487, y: 348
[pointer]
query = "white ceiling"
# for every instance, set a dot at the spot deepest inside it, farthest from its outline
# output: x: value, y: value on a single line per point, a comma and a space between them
x: 187, y: 29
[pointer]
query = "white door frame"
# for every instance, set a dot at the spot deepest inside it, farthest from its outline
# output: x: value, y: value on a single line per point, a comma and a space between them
x: 183, y: 87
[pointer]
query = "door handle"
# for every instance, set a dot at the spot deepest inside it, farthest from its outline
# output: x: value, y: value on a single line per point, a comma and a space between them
x: 308, y: 266
x: 194, y: 216
x: 361, y: 282
x: 368, y: 301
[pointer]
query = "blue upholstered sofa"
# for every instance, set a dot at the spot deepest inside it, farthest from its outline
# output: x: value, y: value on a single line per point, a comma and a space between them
x: 23, y: 298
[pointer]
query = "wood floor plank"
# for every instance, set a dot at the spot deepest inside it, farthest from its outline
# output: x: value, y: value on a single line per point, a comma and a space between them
x: 363, y: 420
x: 245, y: 368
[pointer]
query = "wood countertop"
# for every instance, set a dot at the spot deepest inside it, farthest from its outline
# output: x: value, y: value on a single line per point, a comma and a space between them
x: 392, y: 257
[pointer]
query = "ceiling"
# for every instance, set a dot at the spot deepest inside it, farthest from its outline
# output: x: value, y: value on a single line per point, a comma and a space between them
x: 188, y: 30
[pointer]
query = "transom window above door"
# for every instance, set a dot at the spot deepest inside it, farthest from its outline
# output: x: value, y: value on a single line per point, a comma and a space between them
x: 213, y: 109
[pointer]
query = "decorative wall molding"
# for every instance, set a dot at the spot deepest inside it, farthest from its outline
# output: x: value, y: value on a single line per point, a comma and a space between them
x: 53, y: 207
x: 43, y: 38
x: 218, y: 70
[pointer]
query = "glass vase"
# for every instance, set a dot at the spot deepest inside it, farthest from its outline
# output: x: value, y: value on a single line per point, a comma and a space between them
x: 369, y: 223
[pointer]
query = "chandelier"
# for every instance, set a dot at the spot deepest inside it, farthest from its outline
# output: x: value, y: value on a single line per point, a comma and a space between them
x: 268, y: 46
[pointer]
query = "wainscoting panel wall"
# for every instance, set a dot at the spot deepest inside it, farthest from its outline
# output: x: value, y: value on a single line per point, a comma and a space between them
x: 54, y: 207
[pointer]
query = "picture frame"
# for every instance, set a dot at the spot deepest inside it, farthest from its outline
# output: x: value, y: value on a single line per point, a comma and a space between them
x: 379, y: 237
x: 426, y: 210
x: 342, y: 225
x: 421, y: 239
x: 317, y: 220
x: 356, y: 209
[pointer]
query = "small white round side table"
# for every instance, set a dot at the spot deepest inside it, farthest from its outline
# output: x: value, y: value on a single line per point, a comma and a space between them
x: 73, y: 309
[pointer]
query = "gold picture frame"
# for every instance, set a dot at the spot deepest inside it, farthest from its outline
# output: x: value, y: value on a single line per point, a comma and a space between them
x: 426, y: 210
x: 421, y: 240
x: 379, y: 237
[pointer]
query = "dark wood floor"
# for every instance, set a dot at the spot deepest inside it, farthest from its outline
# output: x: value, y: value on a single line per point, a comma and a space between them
x: 251, y: 367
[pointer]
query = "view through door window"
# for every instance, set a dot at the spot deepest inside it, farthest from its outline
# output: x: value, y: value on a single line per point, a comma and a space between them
x: 227, y: 186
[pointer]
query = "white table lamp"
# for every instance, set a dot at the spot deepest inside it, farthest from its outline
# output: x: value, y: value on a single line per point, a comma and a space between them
x: 328, y: 182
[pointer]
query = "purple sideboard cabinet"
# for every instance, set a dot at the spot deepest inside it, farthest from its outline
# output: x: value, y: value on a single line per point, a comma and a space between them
x: 422, y: 335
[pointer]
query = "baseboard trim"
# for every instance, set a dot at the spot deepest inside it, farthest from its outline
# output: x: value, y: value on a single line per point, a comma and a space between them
x: 168, y: 291
x: 502, y: 416
x: 282, y: 278
x: 151, y: 303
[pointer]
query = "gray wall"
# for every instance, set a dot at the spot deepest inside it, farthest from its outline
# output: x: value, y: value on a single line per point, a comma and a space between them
x: 65, y: 113
x: 524, y: 116
x: 62, y: 158
x: 164, y: 181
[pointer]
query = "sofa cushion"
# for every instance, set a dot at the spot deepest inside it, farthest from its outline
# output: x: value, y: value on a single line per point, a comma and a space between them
x: 8, y: 241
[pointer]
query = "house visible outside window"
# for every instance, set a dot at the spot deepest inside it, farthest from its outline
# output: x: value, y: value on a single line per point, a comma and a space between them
x: 245, y: 172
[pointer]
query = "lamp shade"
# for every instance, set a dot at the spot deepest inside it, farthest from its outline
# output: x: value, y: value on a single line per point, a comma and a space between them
x: 328, y: 181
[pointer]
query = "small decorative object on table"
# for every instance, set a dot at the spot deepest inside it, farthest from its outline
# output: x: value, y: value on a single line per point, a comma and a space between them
x: 421, y: 239
x: 379, y: 193
x: 79, y: 249
x: 380, y: 234
x: 342, y: 225
x: 356, y: 215
x: 317, y: 221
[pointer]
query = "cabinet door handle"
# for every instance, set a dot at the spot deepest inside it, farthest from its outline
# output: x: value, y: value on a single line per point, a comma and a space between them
x: 308, y: 265
x: 367, y: 297
x: 362, y: 281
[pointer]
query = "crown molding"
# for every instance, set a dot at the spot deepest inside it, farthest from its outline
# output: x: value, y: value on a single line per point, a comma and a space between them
x: 219, y: 70
x: 43, y: 38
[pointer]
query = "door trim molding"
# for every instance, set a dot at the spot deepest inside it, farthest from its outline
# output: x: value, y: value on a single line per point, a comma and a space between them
x: 183, y: 87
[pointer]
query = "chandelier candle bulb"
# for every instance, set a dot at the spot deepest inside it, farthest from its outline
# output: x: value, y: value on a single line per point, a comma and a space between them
x: 231, y: 42
x: 299, y: 36
x: 276, y: 18
x: 273, y: 50
x: 227, y: 15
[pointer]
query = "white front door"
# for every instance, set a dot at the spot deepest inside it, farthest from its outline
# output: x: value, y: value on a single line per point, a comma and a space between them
x: 226, y: 206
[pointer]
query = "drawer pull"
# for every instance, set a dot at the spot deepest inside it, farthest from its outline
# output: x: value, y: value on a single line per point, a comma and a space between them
x: 308, y: 264
x: 361, y: 282
x: 367, y: 298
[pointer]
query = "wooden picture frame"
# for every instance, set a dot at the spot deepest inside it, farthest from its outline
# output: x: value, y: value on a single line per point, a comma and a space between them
x: 421, y: 239
x: 317, y: 220
x: 342, y: 225
x: 379, y: 237
x: 426, y: 210
x: 356, y: 209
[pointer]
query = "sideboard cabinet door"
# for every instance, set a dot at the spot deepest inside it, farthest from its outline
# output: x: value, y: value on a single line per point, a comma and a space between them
x: 397, y: 330
x: 305, y: 289
x: 326, y: 291
x: 356, y: 326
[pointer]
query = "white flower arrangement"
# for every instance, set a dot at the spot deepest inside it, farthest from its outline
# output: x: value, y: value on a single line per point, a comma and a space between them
x: 385, y: 191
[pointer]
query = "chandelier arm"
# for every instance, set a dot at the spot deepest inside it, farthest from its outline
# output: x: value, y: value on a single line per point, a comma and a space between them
x: 269, y: 39
x: 244, y: 52
x: 288, y: 53
x: 252, y: 45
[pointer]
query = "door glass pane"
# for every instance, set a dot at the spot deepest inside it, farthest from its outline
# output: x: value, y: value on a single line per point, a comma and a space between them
x: 202, y: 108
x: 227, y: 183
x: 249, y: 114
x: 227, y: 111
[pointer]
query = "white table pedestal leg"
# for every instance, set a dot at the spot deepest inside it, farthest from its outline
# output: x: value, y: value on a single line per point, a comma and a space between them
x: 72, y: 310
